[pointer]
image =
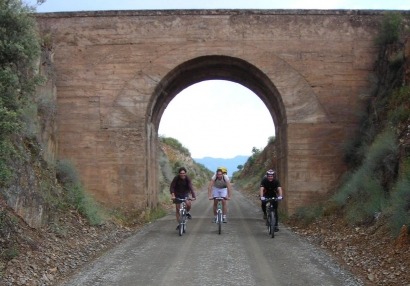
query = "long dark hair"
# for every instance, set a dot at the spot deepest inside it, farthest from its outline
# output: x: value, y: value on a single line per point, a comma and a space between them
x: 181, y: 169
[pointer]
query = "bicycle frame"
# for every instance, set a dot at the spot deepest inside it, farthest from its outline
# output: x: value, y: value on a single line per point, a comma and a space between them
x: 219, y: 213
x: 182, y: 215
x: 271, y: 218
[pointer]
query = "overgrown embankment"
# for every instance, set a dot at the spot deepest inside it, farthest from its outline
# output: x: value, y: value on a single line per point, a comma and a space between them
x: 365, y: 223
x: 172, y: 156
x: 249, y: 177
x: 378, y: 157
x: 378, y: 181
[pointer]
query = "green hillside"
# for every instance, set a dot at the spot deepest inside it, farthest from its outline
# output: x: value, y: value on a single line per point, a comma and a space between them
x: 377, y: 184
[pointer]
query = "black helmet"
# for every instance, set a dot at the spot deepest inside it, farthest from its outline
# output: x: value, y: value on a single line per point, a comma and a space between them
x: 270, y: 172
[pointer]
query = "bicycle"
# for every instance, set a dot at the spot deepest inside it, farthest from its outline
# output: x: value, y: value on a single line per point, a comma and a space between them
x: 182, y: 215
x: 271, y: 218
x: 219, y: 216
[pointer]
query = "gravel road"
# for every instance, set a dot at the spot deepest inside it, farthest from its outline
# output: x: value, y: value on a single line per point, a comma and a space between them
x: 243, y: 254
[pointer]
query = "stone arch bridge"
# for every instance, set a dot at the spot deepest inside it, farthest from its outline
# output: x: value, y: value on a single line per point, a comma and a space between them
x: 116, y: 72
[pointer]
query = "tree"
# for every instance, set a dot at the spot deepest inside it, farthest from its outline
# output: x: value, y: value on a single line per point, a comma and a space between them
x: 19, y: 50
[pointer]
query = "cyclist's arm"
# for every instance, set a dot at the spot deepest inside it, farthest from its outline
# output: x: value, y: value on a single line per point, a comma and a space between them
x: 280, y: 193
x: 211, y: 183
x: 229, y: 187
x: 191, y: 188
x: 261, y: 191
x: 172, y: 188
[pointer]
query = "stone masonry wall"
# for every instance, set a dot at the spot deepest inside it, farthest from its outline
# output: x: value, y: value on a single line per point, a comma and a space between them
x: 110, y: 67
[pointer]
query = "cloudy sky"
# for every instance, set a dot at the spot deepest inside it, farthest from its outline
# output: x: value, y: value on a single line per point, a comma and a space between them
x: 78, y: 5
x: 225, y: 119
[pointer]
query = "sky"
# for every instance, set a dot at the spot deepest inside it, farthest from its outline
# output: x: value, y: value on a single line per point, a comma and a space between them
x: 224, y: 119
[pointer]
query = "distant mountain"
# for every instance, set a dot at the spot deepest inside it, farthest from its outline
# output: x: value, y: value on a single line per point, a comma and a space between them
x: 231, y: 164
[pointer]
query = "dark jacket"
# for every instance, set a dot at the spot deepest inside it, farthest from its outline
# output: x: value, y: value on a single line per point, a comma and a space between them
x: 270, y: 187
x: 182, y: 187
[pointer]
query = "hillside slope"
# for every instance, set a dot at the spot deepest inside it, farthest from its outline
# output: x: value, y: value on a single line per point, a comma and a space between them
x: 45, y: 256
x: 231, y: 164
x: 359, y: 224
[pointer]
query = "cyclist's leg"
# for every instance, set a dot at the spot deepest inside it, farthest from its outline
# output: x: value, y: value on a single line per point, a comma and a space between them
x: 177, y: 206
x: 263, y: 206
x: 215, y: 207
x: 224, y: 207
x: 188, y: 208
x: 224, y: 194
x: 215, y: 194
x: 188, y: 205
x: 275, y: 205
x: 269, y: 221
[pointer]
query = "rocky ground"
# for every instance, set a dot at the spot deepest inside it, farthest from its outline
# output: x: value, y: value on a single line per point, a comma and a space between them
x: 369, y: 252
x: 48, y: 256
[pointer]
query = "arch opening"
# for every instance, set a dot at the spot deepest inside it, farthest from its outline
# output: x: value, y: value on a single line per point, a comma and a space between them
x: 219, y: 119
x: 216, y: 68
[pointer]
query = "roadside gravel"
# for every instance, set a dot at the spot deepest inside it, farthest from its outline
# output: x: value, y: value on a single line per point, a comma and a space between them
x: 47, y: 256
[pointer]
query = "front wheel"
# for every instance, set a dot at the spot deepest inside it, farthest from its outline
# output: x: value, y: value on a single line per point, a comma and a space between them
x: 219, y: 222
x: 184, y: 225
x: 181, y: 229
x: 272, y: 224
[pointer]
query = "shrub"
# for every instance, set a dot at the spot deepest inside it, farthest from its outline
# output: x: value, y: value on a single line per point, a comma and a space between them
x: 307, y: 215
x: 397, y: 61
x: 390, y: 29
x: 66, y: 173
x: 369, y: 199
x: 175, y: 144
x: 75, y: 193
x: 400, y: 201
x: 6, y: 152
x: 383, y: 153
x: 364, y: 192
x: 399, y: 106
x: 19, y: 50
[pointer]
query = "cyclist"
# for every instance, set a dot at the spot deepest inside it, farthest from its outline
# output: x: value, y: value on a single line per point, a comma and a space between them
x: 220, y: 186
x: 270, y: 188
x: 181, y: 187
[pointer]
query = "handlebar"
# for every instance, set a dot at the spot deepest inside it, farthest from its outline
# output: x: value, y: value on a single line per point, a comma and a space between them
x: 179, y: 200
x: 218, y: 198
x: 271, y: 199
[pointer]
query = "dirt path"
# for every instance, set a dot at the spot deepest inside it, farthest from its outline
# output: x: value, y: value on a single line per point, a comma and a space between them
x: 243, y: 254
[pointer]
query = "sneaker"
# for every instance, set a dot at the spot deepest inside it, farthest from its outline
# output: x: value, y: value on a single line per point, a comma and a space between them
x: 276, y: 229
x: 224, y: 219
x: 188, y: 215
x: 214, y: 220
x: 177, y: 227
x: 265, y: 216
